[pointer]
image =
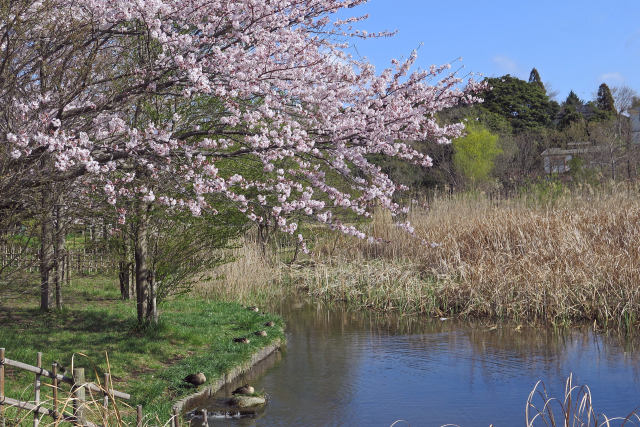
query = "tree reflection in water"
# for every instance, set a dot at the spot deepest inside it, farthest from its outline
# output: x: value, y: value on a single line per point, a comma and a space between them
x: 345, y: 367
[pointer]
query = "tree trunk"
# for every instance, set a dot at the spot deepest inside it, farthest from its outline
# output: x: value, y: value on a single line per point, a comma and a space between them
x: 613, y: 167
x: 628, y: 146
x: 142, y: 272
x: 123, y: 276
x: 123, y: 271
x: 58, y: 251
x: 46, y: 252
x: 145, y: 301
x: 152, y: 307
x: 131, y: 252
x: 132, y: 280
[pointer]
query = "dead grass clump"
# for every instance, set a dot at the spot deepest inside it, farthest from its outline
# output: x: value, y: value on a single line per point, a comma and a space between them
x: 248, y: 277
x: 575, y: 259
x: 575, y: 409
x: 87, y: 403
x: 374, y: 284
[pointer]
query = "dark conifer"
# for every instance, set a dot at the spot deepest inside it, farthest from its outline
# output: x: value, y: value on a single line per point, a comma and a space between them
x: 605, y: 100
x: 534, y: 77
x: 573, y: 100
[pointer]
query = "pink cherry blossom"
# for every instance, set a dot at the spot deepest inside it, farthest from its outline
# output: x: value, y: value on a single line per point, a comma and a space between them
x: 261, y: 83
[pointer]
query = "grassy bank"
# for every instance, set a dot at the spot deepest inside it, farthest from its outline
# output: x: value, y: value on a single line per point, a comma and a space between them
x: 574, y: 257
x: 194, y: 334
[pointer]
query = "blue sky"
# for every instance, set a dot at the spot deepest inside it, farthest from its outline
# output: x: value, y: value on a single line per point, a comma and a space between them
x: 573, y: 44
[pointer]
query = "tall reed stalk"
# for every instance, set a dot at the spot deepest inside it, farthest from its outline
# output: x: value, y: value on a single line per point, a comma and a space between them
x: 574, y: 409
x: 573, y: 257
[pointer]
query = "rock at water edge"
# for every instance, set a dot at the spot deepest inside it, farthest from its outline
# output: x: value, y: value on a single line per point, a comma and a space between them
x: 247, y: 401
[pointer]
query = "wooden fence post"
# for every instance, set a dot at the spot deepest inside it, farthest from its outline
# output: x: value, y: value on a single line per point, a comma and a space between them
x: 176, y: 419
x: 36, y: 414
x: 1, y: 387
x: 54, y: 370
x: 105, y: 400
x: 78, y: 395
x: 205, y: 418
x: 68, y: 269
x: 139, y: 416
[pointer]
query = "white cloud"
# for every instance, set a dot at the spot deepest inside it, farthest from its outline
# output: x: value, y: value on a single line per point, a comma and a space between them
x: 633, y: 40
x: 614, y: 78
x: 505, y: 64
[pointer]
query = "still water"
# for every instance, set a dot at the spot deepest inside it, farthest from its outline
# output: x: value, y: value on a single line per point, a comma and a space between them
x: 362, y: 369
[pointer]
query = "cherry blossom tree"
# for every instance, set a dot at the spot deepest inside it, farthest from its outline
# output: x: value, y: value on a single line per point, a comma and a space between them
x: 174, y: 103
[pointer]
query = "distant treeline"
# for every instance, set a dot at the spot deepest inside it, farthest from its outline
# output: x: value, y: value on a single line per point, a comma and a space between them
x: 517, y: 121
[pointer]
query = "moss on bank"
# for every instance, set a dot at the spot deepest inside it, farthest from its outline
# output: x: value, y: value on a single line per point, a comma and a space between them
x: 149, y: 363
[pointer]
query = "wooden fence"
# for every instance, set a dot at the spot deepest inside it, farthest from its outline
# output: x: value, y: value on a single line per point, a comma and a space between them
x: 55, y: 408
x: 85, y: 250
x: 79, y: 261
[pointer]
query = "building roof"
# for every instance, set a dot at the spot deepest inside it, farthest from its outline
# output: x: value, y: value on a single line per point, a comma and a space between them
x: 556, y: 151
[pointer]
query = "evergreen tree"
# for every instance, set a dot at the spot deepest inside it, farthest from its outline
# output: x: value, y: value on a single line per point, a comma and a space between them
x: 573, y: 100
x: 605, y: 100
x: 571, y: 111
x: 534, y: 77
x: 524, y: 106
x: 569, y: 115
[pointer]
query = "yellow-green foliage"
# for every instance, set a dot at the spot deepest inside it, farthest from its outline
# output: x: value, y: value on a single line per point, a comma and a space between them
x: 475, y: 153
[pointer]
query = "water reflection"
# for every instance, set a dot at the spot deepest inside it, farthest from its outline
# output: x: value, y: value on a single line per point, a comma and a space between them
x: 352, y: 368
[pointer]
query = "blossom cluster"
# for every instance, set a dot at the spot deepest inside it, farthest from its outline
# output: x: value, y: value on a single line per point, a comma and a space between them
x: 215, y: 82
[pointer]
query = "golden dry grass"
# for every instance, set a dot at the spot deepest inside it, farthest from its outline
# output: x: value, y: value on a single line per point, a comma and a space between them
x: 95, y: 410
x: 250, y: 276
x: 576, y: 258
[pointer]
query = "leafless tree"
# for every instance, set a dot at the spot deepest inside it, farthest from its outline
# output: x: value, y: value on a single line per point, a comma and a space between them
x: 623, y: 97
x: 551, y: 92
x: 615, y: 153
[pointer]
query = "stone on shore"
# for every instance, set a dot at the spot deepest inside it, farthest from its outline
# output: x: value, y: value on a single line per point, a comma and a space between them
x: 247, y: 401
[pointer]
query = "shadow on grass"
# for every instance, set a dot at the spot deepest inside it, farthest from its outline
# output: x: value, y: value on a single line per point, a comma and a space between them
x: 91, y: 332
x: 147, y: 361
x: 68, y: 319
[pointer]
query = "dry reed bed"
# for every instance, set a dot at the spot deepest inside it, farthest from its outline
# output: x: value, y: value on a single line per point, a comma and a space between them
x: 575, y: 259
x: 249, y: 277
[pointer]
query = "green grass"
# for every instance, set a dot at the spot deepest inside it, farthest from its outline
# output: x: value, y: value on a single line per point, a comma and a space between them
x: 193, y: 335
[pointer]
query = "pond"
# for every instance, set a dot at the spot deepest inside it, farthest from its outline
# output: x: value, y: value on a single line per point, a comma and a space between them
x: 364, y: 369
